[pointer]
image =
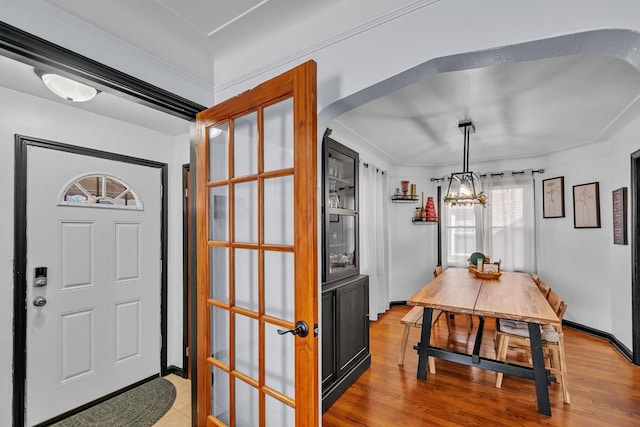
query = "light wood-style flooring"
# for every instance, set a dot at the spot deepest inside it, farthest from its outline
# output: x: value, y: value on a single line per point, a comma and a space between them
x: 604, y: 386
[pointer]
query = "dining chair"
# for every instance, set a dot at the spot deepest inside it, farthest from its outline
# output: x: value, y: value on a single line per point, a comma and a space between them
x: 536, y: 279
x: 544, y: 288
x: 516, y: 334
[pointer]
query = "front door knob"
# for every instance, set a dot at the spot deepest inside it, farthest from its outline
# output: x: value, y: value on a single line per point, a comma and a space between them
x: 39, y: 301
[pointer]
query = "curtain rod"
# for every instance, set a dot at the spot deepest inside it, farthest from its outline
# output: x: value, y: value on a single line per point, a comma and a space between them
x: 366, y: 165
x: 494, y: 174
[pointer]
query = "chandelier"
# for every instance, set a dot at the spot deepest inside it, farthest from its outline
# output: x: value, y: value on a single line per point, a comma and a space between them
x: 464, y: 187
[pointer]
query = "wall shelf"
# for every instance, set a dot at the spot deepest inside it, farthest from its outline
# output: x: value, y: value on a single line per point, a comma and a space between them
x: 422, y: 221
x: 404, y: 199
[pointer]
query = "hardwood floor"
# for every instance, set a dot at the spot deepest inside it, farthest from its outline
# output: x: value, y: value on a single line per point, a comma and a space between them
x: 604, y: 386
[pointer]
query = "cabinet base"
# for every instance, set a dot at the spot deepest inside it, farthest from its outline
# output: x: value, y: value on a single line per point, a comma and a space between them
x: 336, y: 389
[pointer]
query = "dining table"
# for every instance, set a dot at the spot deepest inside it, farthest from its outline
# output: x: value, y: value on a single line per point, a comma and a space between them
x: 512, y: 295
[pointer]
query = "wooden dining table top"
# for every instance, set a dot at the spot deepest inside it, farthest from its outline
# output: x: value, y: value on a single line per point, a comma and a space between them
x: 512, y: 296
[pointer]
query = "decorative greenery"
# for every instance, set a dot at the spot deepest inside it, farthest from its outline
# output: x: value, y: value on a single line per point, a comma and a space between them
x: 454, y: 200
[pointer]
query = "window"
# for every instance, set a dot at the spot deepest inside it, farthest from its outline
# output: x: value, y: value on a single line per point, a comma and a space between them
x: 503, y: 230
x: 99, y: 190
x: 461, y: 234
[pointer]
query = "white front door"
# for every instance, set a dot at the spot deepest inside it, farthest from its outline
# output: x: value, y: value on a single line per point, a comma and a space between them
x: 97, y: 328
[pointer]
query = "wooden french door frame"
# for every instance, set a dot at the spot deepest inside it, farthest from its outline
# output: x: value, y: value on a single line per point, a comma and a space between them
x: 299, y: 84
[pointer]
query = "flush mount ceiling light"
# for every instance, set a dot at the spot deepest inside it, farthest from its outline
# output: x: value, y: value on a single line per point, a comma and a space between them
x: 463, y: 185
x: 66, y: 88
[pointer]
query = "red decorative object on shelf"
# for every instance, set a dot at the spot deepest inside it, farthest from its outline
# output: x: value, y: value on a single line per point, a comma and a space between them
x: 431, y: 210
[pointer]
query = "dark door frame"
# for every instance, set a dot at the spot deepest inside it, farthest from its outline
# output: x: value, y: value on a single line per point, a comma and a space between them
x: 635, y: 255
x: 187, y: 225
x: 20, y: 302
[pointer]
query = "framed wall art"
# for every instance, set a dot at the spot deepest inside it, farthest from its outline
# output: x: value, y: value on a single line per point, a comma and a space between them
x: 586, y: 205
x: 553, y: 197
x: 620, y: 216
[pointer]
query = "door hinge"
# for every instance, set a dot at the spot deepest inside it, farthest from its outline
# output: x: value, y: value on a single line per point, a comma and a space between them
x: 186, y: 193
x: 186, y: 351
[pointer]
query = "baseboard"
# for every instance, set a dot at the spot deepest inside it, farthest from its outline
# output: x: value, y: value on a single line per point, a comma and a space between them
x: 393, y: 303
x: 623, y: 349
x: 330, y: 396
x: 173, y: 369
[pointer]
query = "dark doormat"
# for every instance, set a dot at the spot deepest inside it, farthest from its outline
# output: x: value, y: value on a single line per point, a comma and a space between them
x: 139, y: 407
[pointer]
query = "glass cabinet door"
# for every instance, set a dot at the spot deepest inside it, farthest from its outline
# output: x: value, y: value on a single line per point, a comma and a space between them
x: 340, y: 211
x: 341, y: 178
x: 342, y: 245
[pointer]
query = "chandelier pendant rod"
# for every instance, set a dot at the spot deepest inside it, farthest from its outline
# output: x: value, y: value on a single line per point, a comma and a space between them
x: 465, y: 162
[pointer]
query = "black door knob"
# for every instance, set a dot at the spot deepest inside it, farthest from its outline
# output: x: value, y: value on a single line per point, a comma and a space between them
x: 301, y: 329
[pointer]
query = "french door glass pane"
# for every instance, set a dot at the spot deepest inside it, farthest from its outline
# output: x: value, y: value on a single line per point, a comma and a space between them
x: 246, y: 212
x: 246, y: 278
x: 245, y: 145
x: 246, y: 404
x: 219, y: 334
x: 246, y: 345
x: 279, y: 414
x: 279, y: 371
x: 219, y: 265
x: 220, y: 395
x: 218, y: 204
x: 278, y: 135
x: 278, y: 284
x: 278, y: 210
x: 218, y: 152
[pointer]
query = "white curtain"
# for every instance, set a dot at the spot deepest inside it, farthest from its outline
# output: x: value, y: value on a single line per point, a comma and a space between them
x: 374, y: 236
x: 509, y: 220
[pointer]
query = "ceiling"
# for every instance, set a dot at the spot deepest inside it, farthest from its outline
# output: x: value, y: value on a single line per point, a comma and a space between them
x: 519, y: 109
x: 522, y: 109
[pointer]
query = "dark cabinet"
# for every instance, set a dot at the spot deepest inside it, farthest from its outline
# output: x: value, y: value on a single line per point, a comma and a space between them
x: 328, y: 338
x: 345, y: 336
x: 345, y: 293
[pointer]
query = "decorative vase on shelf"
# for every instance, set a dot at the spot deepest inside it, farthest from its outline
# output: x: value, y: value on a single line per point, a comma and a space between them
x: 405, y: 188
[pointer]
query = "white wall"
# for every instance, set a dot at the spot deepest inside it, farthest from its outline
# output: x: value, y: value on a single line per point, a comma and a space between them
x: 413, y: 248
x: 394, y: 44
x: 35, y: 117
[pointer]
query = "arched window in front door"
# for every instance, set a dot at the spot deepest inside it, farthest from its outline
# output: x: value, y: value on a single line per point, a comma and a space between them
x: 100, y: 190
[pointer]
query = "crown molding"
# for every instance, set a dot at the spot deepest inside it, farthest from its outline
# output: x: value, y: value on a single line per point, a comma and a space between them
x: 338, y: 38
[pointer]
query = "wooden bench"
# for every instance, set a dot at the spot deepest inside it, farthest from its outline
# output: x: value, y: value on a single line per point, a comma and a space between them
x: 414, y: 318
